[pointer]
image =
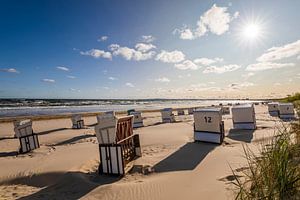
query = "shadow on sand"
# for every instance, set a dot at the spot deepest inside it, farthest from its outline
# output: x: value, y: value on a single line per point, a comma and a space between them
x: 58, y: 185
x: 73, y: 140
x: 186, y: 158
x: 7, y: 154
x: 241, y: 135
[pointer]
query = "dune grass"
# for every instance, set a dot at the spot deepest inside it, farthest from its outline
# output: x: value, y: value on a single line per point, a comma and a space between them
x: 274, y: 173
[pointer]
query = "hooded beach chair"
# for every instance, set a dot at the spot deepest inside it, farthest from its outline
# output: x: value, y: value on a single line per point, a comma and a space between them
x: 243, y: 116
x: 190, y: 111
x: 137, y: 119
x: 107, y: 114
x: 286, y: 111
x: 167, y: 115
x: 77, y: 122
x: 273, y: 109
x: 208, y: 125
x: 180, y: 111
x: 117, y: 143
x: 28, y: 140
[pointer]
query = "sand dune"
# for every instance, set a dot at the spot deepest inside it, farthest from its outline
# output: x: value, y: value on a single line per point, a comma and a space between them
x: 65, y: 167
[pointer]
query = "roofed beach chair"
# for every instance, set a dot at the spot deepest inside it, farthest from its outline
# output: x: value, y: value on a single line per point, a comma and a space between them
x: 167, y: 115
x: 273, y: 109
x: 190, y: 111
x: 77, y: 122
x: 208, y: 125
x: 118, y: 146
x: 180, y: 111
x: 108, y: 113
x: 243, y: 116
x: 225, y: 110
x: 137, y: 118
x: 286, y: 111
x: 28, y: 139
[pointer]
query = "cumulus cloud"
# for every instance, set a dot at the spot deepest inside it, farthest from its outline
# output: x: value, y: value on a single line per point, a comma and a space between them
x: 170, y: 56
x: 144, y: 47
x: 215, y: 20
x: 187, y: 64
x: 207, y: 61
x: 71, y: 77
x: 248, y: 75
x: 47, y: 80
x: 96, y: 53
x: 237, y: 86
x: 9, y: 70
x: 148, y: 38
x: 278, y: 53
x: 103, y: 38
x: 133, y: 54
x: 163, y: 80
x: 267, y: 65
x: 129, y: 85
x: 222, y: 69
x: 63, y: 68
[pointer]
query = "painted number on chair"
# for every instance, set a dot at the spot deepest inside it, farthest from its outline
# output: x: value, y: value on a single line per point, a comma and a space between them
x: 207, y: 119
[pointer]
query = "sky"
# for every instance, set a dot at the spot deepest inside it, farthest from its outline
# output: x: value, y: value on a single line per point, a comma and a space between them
x: 149, y: 49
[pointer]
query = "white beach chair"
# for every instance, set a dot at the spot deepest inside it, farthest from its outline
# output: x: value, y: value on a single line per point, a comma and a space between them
x: 137, y: 119
x: 167, y: 115
x: 286, y: 111
x: 107, y: 114
x: 106, y: 129
x: 243, y: 116
x: 273, y: 109
x: 208, y: 125
x: 190, y: 111
x: 77, y: 122
x: 28, y: 140
x: 180, y: 111
x: 225, y: 110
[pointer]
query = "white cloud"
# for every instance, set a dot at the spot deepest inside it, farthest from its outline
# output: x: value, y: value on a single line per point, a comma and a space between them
x: 267, y: 65
x: 170, y: 56
x: 216, y: 20
x: 277, y: 84
x: 207, y: 61
x: 163, y: 80
x: 105, y: 88
x: 129, y: 85
x: 103, y: 38
x: 48, y: 80
x: 278, y: 53
x: 10, y: 70
x: 96, y: 53
x: 112, y: 78
x: 148, y: 38
x: 237, y: 86
x: 222, y: 69
x: 143, y: 47
x: 71, y: 77
x: 63, y: 68
x: 131, y: 54
x: 187, y: 64
x: 74, y: 90
x: 246, y: 76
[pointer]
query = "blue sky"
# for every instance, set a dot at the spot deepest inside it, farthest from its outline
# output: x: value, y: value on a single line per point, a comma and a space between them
x: 149, y: 49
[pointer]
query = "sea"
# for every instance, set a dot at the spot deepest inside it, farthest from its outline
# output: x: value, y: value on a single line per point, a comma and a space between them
x: 38, y: 107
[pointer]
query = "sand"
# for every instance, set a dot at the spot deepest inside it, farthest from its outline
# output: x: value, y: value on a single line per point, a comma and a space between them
x: 65, y: 166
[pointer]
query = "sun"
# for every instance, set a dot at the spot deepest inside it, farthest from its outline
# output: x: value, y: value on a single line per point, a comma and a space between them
x: 251, y: 31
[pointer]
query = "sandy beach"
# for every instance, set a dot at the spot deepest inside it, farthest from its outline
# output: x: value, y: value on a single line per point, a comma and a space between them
x: 65, y: 166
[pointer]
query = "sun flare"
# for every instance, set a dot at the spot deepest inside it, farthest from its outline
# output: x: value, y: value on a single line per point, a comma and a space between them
x: 251, y: 31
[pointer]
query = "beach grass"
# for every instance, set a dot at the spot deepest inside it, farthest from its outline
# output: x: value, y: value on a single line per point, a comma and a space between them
x: 274, y: 173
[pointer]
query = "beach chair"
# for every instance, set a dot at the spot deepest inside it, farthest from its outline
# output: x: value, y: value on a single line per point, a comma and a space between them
x: 286, y: 111
x: 167, y: 115
x: 273, y: 109
x: 118, y: 146
x: 130, y: 110
x: 137, y: 119
x: 243, y: 117
x: 107, y: 114
x: 180, y: 111
x: 77, y: 122
x: 27, y: 138
x: 190, y: 111
x: 208, y: 125
x: 225, y: 110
